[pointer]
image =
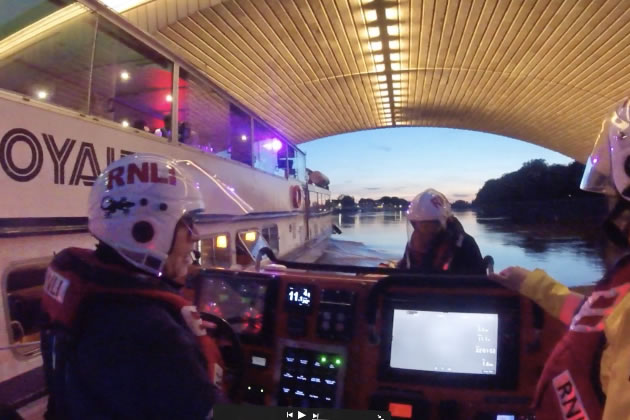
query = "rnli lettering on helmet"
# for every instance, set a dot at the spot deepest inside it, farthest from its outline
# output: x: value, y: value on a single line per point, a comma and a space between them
x: 55, y: 285
x: 24, y: 164
x: 569, y: 400
x: 146, y: 173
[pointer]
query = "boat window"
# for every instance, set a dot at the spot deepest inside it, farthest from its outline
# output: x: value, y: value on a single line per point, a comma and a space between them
x: 23, y: 299
x: 215, y: 251
x: 297, y: 163
x: 270, y: 233
x: 204, y: 117
x: 132, y: 84
x: 249, y: 242
x: 314, y: 201
x: 50, y: 60
x: 327, y: 203
x: 19, y: 14
x: 269, y: 150
x: 240, y: 136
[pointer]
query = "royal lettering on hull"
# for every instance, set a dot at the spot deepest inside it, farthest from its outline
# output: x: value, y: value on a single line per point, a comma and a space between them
x: 49, y: 160
x: 24, y: 164
x: 569, y: 400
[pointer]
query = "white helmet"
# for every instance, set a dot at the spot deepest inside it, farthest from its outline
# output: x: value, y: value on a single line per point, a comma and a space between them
x: 608, y: 167
x: 136, y: 203
x: 429, y: 205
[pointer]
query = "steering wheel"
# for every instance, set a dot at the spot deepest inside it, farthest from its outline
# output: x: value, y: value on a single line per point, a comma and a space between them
x: 231, y: 350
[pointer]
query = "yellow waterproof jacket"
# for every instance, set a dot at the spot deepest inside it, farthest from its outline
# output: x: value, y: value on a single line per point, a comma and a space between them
x: 560, y: 302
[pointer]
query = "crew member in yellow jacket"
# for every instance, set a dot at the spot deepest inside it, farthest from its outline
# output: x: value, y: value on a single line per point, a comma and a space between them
x: 587, y: 376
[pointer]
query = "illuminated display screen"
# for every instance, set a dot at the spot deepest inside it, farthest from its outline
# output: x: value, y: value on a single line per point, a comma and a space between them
x: 241, y: 302
x: 449, y: 342
x: 299, y: 296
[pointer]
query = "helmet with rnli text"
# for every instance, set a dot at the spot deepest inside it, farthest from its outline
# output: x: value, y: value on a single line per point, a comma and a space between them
x: 429, y: 205
x: 136, y: 203
x: 608, y: 167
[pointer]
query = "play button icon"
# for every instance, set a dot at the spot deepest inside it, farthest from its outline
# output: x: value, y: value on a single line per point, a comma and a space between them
x: 300, y: 415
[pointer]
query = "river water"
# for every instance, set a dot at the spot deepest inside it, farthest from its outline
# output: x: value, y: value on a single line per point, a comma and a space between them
x: 568, y: 252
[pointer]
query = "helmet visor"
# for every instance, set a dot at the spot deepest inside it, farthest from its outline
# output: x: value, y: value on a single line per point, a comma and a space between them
x: 598, y: 173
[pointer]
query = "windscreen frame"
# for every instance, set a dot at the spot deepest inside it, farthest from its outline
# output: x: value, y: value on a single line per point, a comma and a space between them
x: 508, y: 339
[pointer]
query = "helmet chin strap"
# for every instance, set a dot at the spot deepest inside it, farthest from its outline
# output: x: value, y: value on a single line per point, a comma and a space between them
x: 617, y: 224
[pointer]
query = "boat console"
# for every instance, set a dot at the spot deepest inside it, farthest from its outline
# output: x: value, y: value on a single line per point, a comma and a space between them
x: 420, y: 347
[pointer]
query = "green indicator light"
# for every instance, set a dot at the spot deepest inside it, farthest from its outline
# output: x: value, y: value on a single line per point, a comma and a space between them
x: 338, y: 362
x: 324, y: 359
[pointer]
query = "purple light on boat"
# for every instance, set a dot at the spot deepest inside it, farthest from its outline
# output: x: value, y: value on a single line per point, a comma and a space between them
x: 273, y: 144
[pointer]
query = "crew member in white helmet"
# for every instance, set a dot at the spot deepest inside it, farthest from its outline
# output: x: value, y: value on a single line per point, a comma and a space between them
x: 587, y: 374
x: 437, y: 241
x: 121, y: 342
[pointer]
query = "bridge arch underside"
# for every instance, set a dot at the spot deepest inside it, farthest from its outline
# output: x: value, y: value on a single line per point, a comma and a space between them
x: 546, y: 72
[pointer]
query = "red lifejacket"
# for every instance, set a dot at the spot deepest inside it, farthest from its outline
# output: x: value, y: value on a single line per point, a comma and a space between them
x: 67, y: 287
x: 569, y: 387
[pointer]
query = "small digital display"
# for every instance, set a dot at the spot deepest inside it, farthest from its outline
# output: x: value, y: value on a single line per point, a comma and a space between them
x: 299, y: 296
x: 448, y: 342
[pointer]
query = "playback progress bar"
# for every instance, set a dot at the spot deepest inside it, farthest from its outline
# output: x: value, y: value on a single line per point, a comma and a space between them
x: 255, y: 412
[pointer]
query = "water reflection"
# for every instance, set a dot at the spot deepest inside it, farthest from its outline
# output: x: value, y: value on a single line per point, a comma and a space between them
x: 569, y: 252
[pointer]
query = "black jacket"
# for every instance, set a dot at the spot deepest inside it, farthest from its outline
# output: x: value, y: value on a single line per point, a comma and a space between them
x: 452, y: 252
x: 127, y: 357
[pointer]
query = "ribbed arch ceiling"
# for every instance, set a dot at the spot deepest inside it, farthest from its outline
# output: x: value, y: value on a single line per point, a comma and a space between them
x: 544, y: 71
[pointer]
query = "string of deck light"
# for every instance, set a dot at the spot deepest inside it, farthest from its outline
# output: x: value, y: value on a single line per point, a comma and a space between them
x: 383, y: 33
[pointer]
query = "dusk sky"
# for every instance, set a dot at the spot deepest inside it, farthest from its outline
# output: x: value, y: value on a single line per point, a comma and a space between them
x: 404, y: 161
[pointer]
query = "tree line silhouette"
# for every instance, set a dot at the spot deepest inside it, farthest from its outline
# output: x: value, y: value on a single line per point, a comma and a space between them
x: 541, y: 192
x: 536, y: 191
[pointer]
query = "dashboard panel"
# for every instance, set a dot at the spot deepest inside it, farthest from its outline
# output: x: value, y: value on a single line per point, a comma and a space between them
x: 290, y: 322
